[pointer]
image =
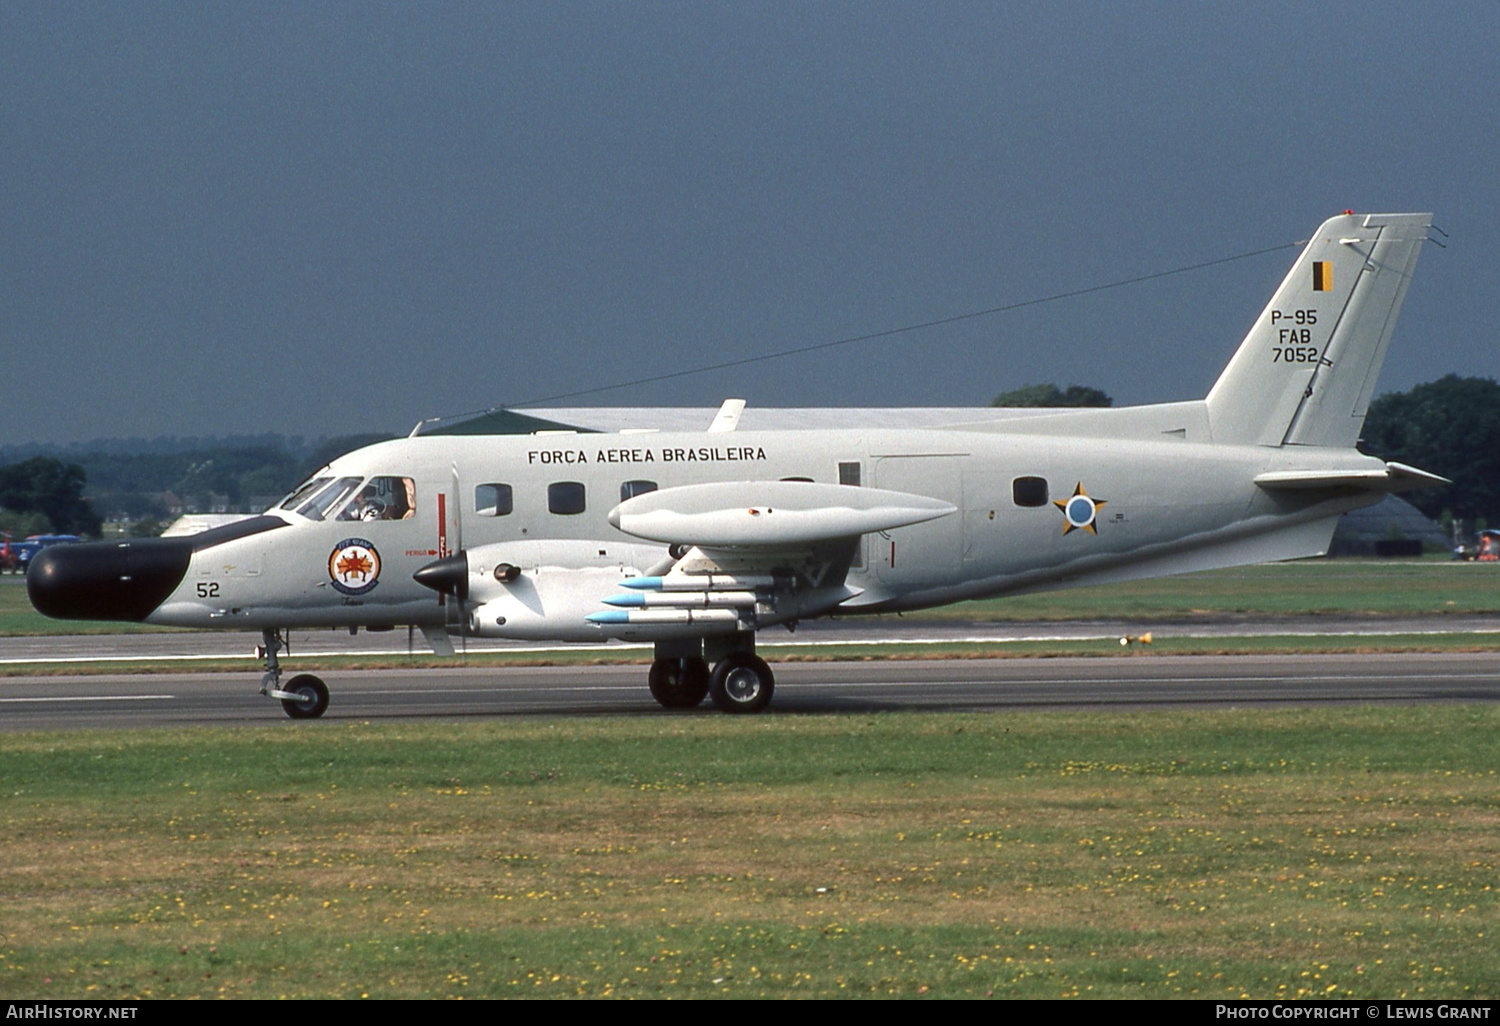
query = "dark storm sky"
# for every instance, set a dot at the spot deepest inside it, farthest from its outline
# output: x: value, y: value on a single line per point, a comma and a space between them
x: 325, y: 217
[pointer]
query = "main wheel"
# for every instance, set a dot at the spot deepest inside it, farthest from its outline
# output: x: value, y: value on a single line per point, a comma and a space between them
x: 678, y: 683
x: 313, y: 701
x: 742, y: 683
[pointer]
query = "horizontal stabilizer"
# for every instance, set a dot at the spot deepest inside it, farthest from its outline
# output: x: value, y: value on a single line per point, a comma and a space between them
x: 1395, y: 477
x: 769, y: 513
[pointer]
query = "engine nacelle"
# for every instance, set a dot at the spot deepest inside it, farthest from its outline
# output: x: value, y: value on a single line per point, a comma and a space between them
x: 556, y: 590
x: 543, y: 590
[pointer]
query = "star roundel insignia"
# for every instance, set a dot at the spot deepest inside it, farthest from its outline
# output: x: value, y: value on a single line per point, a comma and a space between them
x: 1079, y: 510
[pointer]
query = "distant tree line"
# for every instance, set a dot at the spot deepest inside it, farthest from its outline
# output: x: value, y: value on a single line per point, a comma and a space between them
x: 12, y: 452
x: 1051, y: 395
x: 44, y: 494
x: 134, y: 486
x: 1450, y: 427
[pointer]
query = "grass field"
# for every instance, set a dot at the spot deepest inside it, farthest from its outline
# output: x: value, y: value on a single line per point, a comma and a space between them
x: 1347, y: 852
x: 1344, y: 586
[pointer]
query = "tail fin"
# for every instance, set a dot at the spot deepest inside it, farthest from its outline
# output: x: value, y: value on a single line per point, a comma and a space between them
x: 1306, y: 370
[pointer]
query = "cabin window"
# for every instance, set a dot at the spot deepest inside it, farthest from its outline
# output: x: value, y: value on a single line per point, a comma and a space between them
x: 565, y: 498
x: 807, y: 479
x: 630, y: 489
x: 493, y: 500
x: 1029, y: 491
x: 382, y: 498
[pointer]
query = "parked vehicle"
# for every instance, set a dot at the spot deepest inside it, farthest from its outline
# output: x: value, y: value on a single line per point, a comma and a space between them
x: 1486, y: 548
x: 15, y: 556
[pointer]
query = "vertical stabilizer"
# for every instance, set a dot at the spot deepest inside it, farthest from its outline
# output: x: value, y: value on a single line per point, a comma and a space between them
x: 1306, y: 370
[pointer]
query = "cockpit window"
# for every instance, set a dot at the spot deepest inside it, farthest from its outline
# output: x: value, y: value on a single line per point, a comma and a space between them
x: 329, y: 498
x: 302, y: 494
x: 382, y: 498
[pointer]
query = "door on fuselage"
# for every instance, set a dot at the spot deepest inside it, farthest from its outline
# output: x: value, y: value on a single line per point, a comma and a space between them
x: 930, y: 552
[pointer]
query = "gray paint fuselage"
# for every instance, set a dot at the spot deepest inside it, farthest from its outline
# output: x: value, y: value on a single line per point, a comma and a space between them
x: 1166, y: 505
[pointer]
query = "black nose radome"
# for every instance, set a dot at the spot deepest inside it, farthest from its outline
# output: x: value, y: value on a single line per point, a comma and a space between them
x: 447, y: 576
x: 107, y: 580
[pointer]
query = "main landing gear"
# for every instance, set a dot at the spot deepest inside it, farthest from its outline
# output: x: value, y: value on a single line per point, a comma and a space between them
x: 305, y: 697
x: 679, y: 683
x: 741, y: 682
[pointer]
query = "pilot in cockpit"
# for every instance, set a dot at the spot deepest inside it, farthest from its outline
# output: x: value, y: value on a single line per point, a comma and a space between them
x: 382, y: 498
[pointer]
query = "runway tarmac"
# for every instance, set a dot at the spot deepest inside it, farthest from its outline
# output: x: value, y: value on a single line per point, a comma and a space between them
x: 187, y: 646
x: 1137, y: 681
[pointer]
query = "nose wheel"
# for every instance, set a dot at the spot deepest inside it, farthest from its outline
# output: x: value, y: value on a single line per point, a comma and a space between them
x: 310, y: 697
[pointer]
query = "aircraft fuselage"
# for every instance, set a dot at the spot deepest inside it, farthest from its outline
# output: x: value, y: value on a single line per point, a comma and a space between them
x: 1018, y: 526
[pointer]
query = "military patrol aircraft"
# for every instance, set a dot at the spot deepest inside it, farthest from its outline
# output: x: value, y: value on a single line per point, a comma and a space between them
x: 696, y: 540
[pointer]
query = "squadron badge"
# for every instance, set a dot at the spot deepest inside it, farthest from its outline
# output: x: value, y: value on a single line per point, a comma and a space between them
x: 1078, y: 511
x: 354, y: 566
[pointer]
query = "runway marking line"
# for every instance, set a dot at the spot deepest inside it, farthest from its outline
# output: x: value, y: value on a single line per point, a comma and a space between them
x: 93, y: 698
x: 871, y: 642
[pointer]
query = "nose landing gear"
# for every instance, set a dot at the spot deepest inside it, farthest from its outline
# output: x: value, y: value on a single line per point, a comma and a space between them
x: 305, y: 697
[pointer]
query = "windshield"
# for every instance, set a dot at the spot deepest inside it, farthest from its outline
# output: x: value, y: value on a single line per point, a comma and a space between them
x: 381, y: 498
x: 302, y: 493
x: 329, y: 498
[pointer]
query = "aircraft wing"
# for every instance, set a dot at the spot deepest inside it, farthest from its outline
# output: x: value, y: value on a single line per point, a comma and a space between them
x: 1394, y: 477
x: 763, y: 551
x: 769, y: 514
